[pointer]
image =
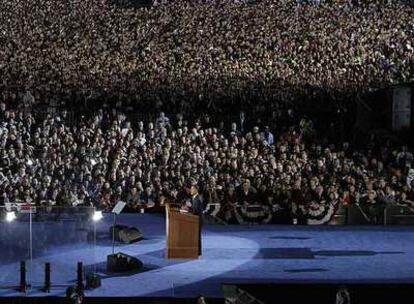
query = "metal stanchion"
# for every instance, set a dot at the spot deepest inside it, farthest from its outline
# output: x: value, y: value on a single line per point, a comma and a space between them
x: 79, y: 281
x: 47, y: 285
x: 23, y: 284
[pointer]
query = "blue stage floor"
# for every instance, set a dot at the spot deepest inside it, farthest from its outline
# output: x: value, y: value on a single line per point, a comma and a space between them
x: 231, y: 254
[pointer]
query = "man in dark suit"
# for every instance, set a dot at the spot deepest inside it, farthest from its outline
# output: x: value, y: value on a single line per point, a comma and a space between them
x: 197, y: 208
x: 246, y: 193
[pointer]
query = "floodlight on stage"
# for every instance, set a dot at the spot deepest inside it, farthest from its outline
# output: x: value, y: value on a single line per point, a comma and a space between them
x: 97, y: 216
x: 10, y: 216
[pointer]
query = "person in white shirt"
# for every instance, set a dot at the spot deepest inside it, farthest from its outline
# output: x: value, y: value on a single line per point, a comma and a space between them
x: 268, y: 136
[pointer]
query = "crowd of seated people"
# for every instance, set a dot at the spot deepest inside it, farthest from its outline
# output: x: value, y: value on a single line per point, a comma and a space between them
x: 255, y: 175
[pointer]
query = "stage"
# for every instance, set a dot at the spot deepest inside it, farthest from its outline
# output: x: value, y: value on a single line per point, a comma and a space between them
x: 251, y: 254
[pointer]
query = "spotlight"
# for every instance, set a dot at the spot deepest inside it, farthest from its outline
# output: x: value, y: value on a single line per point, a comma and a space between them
x: 97, y: 216
x: 10, y: 216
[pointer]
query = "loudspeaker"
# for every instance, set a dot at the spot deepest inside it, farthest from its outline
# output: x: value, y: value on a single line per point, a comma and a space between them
x: 92, y: 281
x: 126, y: 234
x: 115, y: 230
x: 130, y: 235
x: 121, y: 262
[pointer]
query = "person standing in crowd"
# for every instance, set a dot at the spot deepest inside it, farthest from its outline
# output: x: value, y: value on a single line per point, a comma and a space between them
x: 268, y: 136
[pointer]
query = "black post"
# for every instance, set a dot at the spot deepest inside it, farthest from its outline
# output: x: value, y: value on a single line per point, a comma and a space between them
x: 23, y: 283
x: 113, y: 235
x: 46, y: 288
x: 80, y: 276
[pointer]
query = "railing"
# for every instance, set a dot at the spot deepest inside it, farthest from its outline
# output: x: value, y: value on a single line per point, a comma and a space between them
x: 330, y: 214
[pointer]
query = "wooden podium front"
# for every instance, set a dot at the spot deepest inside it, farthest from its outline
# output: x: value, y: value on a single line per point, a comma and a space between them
x: 182, y: 235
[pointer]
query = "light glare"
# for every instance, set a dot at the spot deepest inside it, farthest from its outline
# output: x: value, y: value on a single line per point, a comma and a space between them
x: 97, y: 216
x: 10, y: 216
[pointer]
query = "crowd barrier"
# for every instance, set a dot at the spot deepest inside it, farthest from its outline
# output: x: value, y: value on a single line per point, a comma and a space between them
x: 331, y: 213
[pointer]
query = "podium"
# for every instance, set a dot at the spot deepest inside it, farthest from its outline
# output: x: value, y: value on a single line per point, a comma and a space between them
x: 182, y: 234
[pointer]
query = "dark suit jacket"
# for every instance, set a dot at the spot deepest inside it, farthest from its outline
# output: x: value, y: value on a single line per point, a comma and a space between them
x: 250, y: 197
x: 197, y: 206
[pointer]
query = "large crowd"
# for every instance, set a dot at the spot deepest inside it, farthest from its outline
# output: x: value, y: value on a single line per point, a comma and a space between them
x: 201, y: 51
x: 255, y: 174
x: 252, y: 59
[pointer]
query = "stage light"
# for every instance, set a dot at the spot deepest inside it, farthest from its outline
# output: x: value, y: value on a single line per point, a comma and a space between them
x: 10, y: 216
x: 97, y: 216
